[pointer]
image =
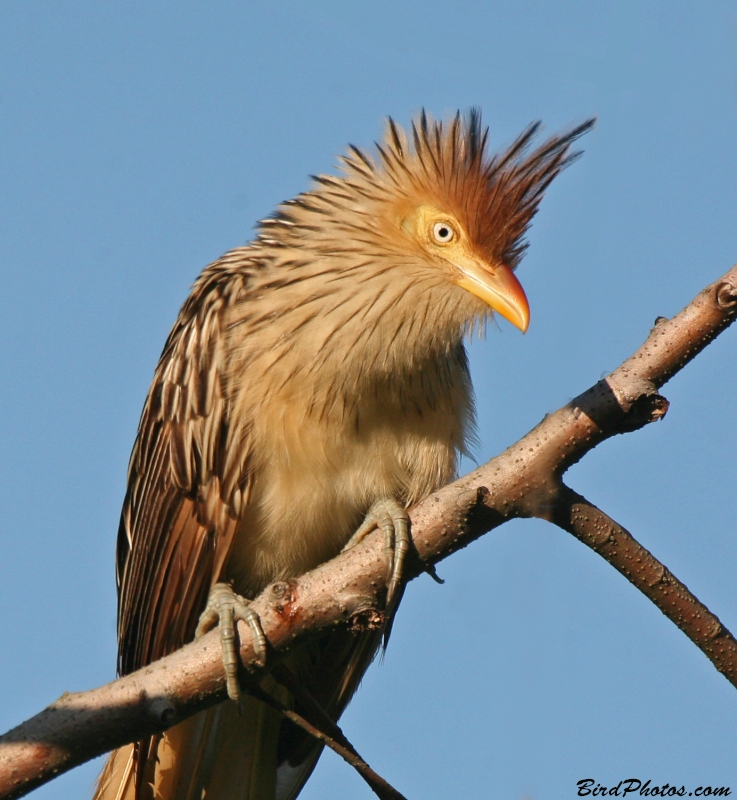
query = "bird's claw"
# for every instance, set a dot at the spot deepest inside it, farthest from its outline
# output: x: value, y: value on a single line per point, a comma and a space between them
x: 393, y: 519
x: 224, y: 608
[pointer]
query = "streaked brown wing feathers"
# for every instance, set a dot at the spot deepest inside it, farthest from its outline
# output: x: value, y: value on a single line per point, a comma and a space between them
x: 180, y: 510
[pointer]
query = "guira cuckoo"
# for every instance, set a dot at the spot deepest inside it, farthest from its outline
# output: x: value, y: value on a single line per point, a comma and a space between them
x: 314, y: 378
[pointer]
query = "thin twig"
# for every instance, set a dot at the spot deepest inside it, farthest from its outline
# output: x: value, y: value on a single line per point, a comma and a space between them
x: 320, y: 718
x: 381, y: 788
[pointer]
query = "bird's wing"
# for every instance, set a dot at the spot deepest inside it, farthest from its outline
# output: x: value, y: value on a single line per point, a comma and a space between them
x: 185, y: 484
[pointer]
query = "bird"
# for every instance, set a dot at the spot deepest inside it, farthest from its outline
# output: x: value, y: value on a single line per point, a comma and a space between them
x: 314, y: 387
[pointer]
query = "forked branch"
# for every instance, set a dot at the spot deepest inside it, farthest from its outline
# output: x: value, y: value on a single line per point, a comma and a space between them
x: 524, y: 481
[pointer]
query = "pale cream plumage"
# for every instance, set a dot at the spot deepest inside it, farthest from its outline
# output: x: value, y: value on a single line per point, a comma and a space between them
x: 309, y: 374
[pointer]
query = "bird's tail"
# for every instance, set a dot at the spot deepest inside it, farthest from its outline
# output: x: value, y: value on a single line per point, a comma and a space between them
x: 215, y: 754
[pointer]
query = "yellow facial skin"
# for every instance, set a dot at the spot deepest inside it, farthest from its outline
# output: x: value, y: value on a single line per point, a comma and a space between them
x: 495, y: 284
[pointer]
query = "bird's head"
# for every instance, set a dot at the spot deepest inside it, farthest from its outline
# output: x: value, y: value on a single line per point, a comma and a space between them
x: 442, y: 237
x: 434, y: 210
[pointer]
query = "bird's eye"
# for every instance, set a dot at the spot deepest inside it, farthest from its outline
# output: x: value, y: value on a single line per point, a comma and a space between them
x: 443, y: 232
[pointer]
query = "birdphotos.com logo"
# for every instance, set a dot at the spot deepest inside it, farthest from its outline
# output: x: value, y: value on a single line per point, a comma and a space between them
x: 633, y: 788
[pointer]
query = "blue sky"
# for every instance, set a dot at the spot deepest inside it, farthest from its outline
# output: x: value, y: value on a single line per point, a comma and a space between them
x: 140, y: 141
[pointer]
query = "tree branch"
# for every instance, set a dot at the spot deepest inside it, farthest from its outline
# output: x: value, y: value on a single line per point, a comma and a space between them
x: 613, y: 543
x: 524, y: 481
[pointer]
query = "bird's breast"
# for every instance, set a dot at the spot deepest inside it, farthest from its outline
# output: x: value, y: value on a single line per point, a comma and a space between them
x: 318, y: 471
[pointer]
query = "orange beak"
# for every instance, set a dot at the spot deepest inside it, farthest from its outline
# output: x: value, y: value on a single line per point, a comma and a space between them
x: 497, y: 286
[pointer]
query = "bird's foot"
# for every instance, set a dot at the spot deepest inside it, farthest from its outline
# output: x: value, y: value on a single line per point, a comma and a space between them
x: 224, y: 608
x: 393, y: 519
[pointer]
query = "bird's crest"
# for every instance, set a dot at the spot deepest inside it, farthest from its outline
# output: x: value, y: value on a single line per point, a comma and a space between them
x: 496, y: 195
x: 446, y: 164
